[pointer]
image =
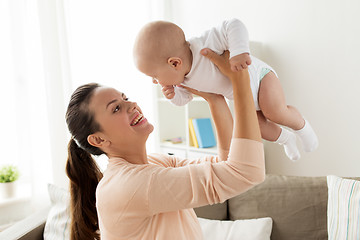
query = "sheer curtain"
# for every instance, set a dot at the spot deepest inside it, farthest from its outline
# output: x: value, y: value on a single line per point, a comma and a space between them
x: 24, y: 117
x: 47, y: 49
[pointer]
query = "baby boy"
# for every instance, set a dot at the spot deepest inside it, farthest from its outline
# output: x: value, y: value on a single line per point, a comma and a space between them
x: 162, y: 52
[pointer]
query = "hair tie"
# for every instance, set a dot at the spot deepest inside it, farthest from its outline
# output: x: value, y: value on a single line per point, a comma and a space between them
x: 76, y: 142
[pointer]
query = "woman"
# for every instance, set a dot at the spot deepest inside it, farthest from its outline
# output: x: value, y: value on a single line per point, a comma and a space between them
x: 144, y: 196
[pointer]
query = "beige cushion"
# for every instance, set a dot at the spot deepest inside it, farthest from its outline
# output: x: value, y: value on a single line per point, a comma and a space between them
x: 216, y: 211
x: 297, y: 206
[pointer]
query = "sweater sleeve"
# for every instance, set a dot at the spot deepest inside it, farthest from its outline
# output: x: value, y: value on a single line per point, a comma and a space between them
x: 194, y: 185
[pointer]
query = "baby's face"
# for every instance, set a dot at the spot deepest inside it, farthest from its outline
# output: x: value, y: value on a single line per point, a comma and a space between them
x: 163, y: 74
x: 166, y: 75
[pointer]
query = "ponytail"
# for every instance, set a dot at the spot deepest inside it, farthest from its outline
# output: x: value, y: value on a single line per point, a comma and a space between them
x: 81, y: 168
x: 84, y: 175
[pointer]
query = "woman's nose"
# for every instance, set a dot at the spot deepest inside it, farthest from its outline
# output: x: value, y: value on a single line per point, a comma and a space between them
x: 132, y: 106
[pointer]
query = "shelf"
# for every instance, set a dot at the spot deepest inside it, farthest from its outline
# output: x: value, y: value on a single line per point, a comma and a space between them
x: 173, y: 145
x: 183, y: 146
x: 212, y: 150
x: 195, y: 99
x: 184, y: 151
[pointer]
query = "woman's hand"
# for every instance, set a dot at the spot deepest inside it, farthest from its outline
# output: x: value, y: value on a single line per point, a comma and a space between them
x: 245, y: 118
x: 209, y: 97
x: 223, y: 63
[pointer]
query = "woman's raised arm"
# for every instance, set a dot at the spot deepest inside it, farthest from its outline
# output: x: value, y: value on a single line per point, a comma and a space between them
x: 245, y: 118
x: 222, y: 118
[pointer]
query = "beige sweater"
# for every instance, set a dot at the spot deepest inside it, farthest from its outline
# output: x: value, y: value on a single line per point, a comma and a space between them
x: 155, y: 201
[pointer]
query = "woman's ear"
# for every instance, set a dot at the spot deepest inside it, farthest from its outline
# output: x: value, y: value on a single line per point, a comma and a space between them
x: 97, y: 141
x: 175, y: 62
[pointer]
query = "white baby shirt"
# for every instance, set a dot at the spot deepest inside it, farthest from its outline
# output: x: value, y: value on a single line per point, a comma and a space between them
x: 205, y: 76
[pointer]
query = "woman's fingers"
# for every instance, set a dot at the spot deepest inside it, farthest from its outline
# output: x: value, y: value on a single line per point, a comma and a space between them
x: 206, y: 95
x: 212, y: 56
x: 221, y: 61
x: 193, y: 91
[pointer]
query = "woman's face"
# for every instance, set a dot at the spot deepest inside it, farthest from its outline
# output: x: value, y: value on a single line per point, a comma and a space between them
x: 121, y: 121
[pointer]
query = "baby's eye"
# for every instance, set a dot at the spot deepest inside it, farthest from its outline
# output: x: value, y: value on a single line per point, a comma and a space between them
x: 126, y: 99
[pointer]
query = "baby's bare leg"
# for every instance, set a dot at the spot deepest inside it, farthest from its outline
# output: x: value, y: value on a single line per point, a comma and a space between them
x: 273, y: 105
x: 274, y: 133
x: 269, y: 130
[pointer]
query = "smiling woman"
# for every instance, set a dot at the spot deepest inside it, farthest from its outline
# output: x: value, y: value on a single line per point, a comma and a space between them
x: 141, y: 196
x: 122, y: 124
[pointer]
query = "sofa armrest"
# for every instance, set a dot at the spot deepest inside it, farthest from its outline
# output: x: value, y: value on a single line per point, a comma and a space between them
x: 30, y: 228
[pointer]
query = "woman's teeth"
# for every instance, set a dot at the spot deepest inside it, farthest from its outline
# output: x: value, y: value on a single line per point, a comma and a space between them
x: 136, y: 120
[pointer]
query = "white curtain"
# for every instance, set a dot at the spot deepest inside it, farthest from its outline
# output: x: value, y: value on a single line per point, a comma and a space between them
x: 24, y: 117
x: 47, y: 49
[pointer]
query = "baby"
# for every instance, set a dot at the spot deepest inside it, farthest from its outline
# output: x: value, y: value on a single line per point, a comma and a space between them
x: 162, y: 52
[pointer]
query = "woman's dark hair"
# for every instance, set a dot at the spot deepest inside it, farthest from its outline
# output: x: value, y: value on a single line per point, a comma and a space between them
x: 81, y: 168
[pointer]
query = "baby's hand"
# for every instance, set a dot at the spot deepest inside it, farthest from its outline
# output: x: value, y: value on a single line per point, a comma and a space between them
x: 240, y: 62
x: 168, y: 91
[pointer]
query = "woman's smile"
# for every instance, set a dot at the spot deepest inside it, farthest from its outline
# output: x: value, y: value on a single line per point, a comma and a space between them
x: 138, y: 120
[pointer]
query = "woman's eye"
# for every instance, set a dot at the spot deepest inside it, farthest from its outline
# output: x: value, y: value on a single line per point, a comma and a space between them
x: 117, y: 108
x: 126, y: 99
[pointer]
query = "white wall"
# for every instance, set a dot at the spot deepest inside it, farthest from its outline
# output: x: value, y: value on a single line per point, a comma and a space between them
x: 314, y: 47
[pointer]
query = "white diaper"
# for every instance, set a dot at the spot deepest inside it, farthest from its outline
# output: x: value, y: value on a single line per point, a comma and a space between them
x: 256, y: 73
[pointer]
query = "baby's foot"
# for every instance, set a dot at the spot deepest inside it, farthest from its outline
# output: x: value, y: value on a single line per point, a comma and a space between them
x: 308, y: 137
x: 288, y: 140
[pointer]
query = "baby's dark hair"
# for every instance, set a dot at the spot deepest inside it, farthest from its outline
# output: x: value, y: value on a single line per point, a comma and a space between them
x: 81, y: 168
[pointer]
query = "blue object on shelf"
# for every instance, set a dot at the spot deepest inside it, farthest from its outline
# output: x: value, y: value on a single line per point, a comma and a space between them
x: 204, y: 132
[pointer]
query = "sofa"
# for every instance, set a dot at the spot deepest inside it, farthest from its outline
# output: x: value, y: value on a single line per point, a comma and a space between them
x: 297, y: 206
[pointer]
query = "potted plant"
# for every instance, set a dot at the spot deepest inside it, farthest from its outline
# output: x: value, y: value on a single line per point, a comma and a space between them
x: 8, y: 176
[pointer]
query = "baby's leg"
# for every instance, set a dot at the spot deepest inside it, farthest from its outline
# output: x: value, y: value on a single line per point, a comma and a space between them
x: 272, y: 132
x: 269, y: 130
x: 273, y: 105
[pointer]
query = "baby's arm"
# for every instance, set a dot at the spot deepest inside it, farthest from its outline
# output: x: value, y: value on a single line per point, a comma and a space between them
x: 236, y: 37
x: 177, y: 95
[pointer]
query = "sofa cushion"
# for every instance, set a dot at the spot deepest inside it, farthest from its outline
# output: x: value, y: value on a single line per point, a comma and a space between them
x: 297, y: 206
x: 343, y: 208
x: 57, y: 225
x: 216, y: 211
x: 249, y: 229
